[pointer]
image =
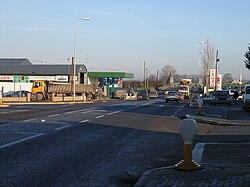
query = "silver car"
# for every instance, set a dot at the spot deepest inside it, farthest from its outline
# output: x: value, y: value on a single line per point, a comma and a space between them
x: 172, y: 96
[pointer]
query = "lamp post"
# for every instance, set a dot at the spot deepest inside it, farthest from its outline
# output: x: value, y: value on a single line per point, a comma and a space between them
x: 216, y: 68
x: 74, y: 58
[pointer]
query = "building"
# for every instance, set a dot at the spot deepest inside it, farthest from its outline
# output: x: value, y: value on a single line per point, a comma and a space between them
x: 19, y: 73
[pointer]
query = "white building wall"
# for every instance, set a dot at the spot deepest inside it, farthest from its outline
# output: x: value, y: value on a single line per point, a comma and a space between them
x: 11, y: 86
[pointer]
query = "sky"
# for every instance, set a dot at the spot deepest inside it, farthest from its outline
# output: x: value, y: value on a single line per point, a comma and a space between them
x: 121, y: 35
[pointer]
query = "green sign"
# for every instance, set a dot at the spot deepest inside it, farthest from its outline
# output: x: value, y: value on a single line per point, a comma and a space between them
x: 20, y: 78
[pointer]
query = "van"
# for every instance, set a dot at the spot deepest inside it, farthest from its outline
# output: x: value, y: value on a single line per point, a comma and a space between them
x: 246, y: 97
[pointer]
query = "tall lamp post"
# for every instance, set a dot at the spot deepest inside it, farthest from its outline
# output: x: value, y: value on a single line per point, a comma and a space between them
x: 74, y: 58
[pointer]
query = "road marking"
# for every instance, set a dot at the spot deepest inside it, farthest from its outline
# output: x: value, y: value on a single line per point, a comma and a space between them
x: 63, y: 127
x: 84, y: 121
x: 12, y: 111
x: 21, y: 140
x: 71, y: 112
x: 198, y: 152
x: 3, y: 125
x: 27, y: 120
x: 86, y: 112
x: 99, y: 116
x: 114, y: 112
x: 162, y: 106
x: 178, y: 110
x: 53, y: 115
x: 145, y: 104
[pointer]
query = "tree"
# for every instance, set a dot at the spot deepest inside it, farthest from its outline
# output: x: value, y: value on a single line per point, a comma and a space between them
x: 151, y: 81
x: 227, y: 79
x: 247, y: 56
x: 206, y: 61
x: 167, y: 73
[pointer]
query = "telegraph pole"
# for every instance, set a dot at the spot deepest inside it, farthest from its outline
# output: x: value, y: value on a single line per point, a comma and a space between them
x: 144, y: 75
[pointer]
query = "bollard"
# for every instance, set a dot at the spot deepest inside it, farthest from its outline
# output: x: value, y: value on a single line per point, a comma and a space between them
x: 188, y: 129
x: 200, y: 102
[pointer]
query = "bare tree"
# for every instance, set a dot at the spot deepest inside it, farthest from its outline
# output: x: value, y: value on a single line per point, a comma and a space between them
x: 227, y: 79
x: 247, y: 56
x: 151, y: 81
x: 167, y: 73
x: 207, y: 60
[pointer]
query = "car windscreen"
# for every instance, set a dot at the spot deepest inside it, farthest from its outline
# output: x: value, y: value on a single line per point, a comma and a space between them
x: 247, y: 90
x: 222, y: 93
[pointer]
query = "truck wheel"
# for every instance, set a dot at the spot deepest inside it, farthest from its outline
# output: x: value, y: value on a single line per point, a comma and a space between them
x: 39, y: 96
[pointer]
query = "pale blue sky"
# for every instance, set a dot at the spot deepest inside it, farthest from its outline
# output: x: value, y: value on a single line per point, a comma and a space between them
x: 124, y: 34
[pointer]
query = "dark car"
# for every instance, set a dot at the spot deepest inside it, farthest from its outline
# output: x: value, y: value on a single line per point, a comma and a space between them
x: 172, y: 96
x: 142, y: 95
x: 221, y: 97
x: 23, y: 93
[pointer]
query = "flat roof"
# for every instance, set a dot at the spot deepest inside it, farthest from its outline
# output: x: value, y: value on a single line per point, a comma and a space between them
x: 111, y: 74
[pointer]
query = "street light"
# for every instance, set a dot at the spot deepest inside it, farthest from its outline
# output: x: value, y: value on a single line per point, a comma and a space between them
x: 74, y: 58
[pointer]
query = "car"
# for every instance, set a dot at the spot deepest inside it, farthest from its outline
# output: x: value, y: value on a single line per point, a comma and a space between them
x: 221, y: 97
x: 153, y: 94
x: 16, y: 93
x: 120, y: 94
x: 181, y: 96
x: 172, y: 96
x: 207, y: 99
x: 246, y: 97
x: 142, y: 95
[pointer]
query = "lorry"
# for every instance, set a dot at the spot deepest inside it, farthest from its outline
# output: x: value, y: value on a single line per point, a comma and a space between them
x: 184, y: 88
x: 44, y: 89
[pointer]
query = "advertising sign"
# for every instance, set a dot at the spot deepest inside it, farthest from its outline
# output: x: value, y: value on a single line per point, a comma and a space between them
x: 212, y: 78
x: 219, y: 82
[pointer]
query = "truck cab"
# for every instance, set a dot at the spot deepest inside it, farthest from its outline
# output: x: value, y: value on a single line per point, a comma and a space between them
x: 39, y: 89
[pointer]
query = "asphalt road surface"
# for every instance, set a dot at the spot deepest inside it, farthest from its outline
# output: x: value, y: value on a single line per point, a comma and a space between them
x: 97, y: 144
x: 103, y: 144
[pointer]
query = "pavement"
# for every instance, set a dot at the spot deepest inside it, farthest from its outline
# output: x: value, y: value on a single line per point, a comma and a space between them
x: 223, y: 164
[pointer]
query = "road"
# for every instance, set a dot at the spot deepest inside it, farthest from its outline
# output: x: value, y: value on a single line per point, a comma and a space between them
x: 98, y: 144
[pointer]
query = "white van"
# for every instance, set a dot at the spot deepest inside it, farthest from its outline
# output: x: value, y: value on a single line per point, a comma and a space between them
x: 246, y: 97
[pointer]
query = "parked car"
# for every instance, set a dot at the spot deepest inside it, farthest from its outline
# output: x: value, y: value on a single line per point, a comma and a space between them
x: 207, y: 99
x: 142, y: 95
x: 172, y: 96
x: 120, y: 94
x: 16, y: 94
x: 246, y: 97
x: 153, y: 94
x: 221, y: 97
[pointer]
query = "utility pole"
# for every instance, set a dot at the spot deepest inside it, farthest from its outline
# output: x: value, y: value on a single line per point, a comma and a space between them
x: 216, y: 68
x: 144, y: 75
x: 156, y: 82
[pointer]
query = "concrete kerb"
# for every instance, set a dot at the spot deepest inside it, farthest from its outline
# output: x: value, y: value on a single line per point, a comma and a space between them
x: 217, y: 121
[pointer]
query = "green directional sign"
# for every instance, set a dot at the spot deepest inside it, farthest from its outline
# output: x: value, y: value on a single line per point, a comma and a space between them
x: 20, y: 78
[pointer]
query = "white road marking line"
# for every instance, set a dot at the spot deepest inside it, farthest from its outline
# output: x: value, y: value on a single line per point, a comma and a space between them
x: 145, y: 104
x: 198, y: 152
x: 21, y: 140
x: 63, y: 127
x: 178, y: 110
x: 162, y: 106
x: 3, y: 125
x: 53, y: 115
x: 97, y: 117
x: 114, y: 112
x: 84, y: 121
x: 27, y: 120
x: 86, y: 112
x: 71, y: 112
x: 6, y: 112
